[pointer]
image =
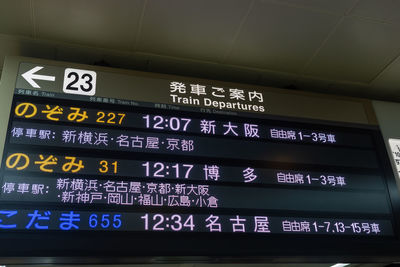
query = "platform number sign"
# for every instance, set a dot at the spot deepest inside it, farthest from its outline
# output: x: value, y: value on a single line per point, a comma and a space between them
x: 395, y: 149
x: 79, y: 82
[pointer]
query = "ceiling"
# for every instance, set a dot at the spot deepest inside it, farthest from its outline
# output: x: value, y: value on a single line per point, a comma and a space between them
x: 348, y: 47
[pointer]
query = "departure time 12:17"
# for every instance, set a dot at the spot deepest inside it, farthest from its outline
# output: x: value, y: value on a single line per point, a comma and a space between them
x: 161, y: 170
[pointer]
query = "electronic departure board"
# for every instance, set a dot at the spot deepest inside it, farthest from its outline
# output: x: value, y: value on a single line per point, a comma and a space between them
x: 209, y: 175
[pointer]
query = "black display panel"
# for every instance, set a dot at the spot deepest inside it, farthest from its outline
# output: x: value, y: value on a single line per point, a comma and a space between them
x: 141, y: 181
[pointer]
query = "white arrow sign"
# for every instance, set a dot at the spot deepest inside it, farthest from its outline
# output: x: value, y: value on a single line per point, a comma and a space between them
x: 30, y: 75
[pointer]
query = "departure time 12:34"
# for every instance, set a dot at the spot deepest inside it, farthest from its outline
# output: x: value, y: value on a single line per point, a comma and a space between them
x: 175, y: 222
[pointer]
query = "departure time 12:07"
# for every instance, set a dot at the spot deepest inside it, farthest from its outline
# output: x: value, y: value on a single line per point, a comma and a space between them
x: 162, y: 123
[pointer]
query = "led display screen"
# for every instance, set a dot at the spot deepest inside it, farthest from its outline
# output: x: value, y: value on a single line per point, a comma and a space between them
x: 146, y: 180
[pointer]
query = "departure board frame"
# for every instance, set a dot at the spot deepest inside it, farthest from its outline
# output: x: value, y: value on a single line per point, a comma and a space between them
x: 324, y: 191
